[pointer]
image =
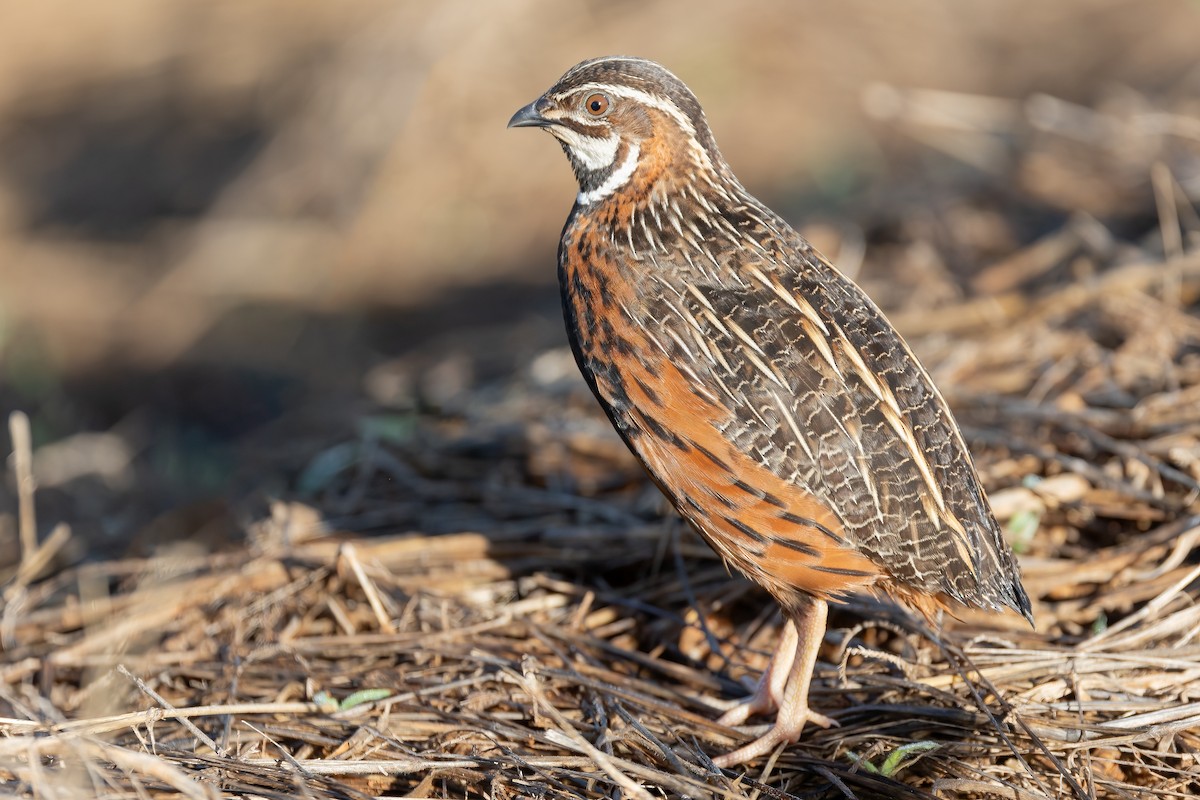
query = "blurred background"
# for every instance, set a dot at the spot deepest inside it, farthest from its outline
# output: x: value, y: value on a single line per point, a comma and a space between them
x: 229, y: 230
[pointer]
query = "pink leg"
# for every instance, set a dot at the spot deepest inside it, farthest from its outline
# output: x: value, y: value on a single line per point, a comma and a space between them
x: 768, y: 694
x: 809, y: 630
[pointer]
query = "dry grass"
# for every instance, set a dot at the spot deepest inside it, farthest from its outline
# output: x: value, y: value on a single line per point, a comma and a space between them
x: 576, y: 643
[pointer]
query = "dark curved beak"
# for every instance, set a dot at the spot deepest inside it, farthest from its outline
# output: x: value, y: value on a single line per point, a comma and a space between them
x: 529, y: 117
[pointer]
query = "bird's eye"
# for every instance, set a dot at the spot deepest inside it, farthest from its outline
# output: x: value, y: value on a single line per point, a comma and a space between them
x: 596, y: 105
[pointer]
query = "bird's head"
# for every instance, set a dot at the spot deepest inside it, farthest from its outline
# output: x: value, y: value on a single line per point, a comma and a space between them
x: 624, y: 122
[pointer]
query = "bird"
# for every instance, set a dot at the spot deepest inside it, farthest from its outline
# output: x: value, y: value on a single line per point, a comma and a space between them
x: 763, y: 391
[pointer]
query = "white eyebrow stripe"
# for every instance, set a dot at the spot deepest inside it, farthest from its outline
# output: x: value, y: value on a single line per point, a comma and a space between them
x: 645, y: 98
x: 654, y: 101
x: 614, y: 181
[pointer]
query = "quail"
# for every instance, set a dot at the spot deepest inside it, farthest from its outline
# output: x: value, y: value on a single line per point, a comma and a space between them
x: 764, y: 392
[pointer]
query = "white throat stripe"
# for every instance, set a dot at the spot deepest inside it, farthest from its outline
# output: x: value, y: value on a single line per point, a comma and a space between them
x: 593, y: 152
x: 615, y: 181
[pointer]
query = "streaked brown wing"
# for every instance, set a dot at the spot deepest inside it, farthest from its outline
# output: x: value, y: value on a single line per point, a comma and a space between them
x: 773, y: 530
x: 813, y: 392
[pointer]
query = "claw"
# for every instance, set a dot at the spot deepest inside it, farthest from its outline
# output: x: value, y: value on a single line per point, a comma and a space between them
x: 782, y: 732
x: 768, y: 693
x: 784, y: 685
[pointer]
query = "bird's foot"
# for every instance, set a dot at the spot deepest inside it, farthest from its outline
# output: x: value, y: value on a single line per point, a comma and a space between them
x: 763, y: 701
x: 769, y: 691
x: 786, y: 729
x: 784, y: 686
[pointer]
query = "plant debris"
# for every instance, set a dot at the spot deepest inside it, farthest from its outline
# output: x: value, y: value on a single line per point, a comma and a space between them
x: 489, y: 599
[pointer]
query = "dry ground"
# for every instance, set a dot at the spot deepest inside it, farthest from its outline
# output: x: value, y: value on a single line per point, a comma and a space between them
x: 528, y: 622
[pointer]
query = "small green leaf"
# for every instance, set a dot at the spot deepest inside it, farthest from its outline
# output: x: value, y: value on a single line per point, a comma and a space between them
x: 365, y: 696
x: 325, y: 702
x: 390, y: 428
x: 1022, y: 529
x: 862, y: 762
x: 326, y: 466
x: 896, y: 759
